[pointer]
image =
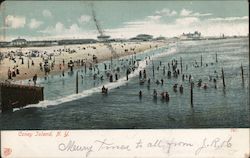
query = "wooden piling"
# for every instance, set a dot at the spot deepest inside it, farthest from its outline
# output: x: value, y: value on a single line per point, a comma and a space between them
x: 223, y: 79
x: 201, y: 60
x: 127, y: 75
x: 191, y: 93
x: 132, y: 60
x: 85, y: 68
x: 153, y: 71
x: 181, y: 64
x: 77, y: 82
x: 242, y: 73
x: 216, y: 59
x: 164, y: 70
x: 111, y: 63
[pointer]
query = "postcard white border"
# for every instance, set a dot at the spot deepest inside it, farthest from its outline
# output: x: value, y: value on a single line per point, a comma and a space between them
x: 176, y: 143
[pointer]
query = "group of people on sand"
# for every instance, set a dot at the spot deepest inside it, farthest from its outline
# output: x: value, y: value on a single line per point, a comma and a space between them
x: 44, y: 65
x: 13, y: 72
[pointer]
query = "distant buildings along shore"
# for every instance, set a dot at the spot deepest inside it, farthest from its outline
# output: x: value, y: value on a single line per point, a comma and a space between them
x: 20, y: 42
x: 198, y: 36
x: 191, y: 36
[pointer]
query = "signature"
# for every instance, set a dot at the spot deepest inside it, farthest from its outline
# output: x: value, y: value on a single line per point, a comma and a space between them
x: 216, y: 144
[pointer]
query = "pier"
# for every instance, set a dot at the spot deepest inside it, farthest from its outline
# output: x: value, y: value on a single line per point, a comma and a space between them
x: 17, y: 96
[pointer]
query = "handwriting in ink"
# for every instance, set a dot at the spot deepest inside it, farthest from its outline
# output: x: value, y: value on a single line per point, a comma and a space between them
x: 216, y: 143
x: 104, y: 145
x: 73, y: 147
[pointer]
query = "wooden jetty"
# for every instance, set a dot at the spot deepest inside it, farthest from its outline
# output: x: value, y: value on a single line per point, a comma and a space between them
x: 18, y: 96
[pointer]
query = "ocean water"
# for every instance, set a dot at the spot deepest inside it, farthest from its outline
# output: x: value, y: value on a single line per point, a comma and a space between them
x: 122, y: 108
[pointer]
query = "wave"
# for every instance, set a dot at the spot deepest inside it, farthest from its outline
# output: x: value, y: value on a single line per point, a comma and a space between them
x: 110, y: 86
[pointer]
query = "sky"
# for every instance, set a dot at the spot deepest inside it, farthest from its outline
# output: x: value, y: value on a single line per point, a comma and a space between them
x: 46, y: 20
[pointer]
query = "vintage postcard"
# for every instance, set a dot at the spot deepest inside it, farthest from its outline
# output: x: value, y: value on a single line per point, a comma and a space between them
x: 124, y: 79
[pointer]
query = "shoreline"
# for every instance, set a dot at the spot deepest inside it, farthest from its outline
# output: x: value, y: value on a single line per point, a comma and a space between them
x: 82, y: 52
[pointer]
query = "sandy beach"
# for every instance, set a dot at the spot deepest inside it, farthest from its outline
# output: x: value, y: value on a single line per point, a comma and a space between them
x: 83, y: 52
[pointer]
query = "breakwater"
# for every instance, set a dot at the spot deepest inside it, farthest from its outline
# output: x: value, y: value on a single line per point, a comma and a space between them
x: 17, y: 96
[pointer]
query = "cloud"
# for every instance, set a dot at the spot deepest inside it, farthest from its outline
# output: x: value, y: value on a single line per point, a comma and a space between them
x: 154, y: 17
x: 187, y: 21
x: 150, y: 25
x: 60, y: 31
x: 47, y: 13
x: 208, y: 27
x: 186, y: 12
x: 84, y: 19
x: 74, y: 28
x: 162, y: 13
x: 135, y: 22
x: 201, y: 14
x: 15, y: 21
x: 35, y: 23
x: 159, y: 14
x: 166, y: 12
x: 59, y: 28
x: 244, y: 18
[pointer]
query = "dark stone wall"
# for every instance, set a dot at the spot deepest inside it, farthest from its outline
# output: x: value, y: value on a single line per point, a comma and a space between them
x: 17, y: 96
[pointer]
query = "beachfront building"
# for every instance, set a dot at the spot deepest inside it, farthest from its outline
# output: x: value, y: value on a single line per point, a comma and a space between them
x: 160, y: 38
x: 191, y: 36
x: 76, y: 41
x: 24, y: 43
x: 142, y: 37
x: 4, y: 44
x: 20, y: 42
x: 41, y: 43
x: 103, y: 37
